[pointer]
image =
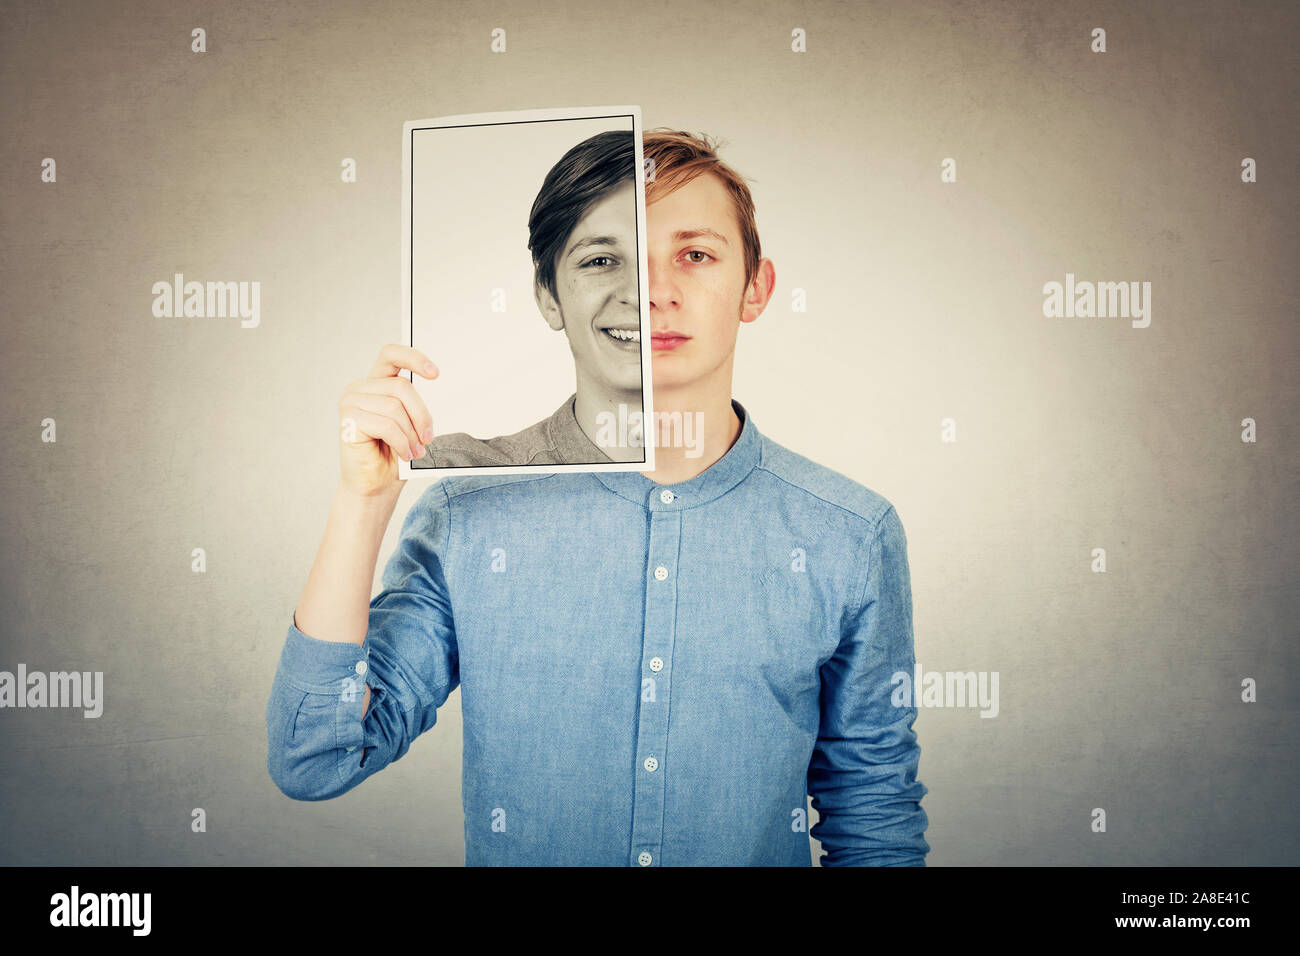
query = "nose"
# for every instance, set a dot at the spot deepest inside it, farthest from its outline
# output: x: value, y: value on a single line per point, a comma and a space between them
x: 630, y: 293
x: 664, y: 293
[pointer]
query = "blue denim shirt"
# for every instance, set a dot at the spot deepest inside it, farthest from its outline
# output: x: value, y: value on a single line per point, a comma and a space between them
x: 650, y: 675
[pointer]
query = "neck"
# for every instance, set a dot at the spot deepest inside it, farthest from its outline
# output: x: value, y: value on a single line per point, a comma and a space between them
x: 605, y: 424
x: 693, y: 428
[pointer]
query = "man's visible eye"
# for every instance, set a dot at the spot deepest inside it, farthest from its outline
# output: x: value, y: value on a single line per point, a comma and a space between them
x: 593, y: 261
x: 699, y: 252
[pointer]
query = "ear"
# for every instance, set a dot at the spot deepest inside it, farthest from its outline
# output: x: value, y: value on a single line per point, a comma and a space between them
x: 759, y: 291
x: 547, y: 305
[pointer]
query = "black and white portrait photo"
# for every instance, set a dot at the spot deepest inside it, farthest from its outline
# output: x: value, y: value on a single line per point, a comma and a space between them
x: 523, y: 270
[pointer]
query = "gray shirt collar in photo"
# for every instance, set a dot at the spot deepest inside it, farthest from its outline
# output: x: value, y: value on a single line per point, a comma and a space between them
x: 557, y: 440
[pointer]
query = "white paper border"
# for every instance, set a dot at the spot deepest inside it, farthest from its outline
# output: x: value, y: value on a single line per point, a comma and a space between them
x: 404, y: 469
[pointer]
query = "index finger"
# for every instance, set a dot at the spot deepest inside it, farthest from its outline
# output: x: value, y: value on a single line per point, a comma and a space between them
x: 393, y: 358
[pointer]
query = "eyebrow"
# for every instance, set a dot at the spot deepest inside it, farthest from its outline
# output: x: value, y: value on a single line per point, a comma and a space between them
x: 681, y: 235
x: 592, y: 241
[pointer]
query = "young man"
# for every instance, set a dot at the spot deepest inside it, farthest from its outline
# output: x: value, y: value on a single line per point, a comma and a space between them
x: 582, y: 233
x: 655, y: 669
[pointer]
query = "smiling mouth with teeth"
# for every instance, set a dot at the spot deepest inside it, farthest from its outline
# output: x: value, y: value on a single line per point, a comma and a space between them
x: 624, y: 335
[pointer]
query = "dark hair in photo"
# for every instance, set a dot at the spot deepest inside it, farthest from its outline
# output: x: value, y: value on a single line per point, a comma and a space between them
x: 583, y: 176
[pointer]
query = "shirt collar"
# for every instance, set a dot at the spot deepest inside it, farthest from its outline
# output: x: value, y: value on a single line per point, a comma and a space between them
x: 716, y: 480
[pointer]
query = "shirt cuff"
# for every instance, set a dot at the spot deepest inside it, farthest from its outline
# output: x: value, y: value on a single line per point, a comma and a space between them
x: 322, y: 667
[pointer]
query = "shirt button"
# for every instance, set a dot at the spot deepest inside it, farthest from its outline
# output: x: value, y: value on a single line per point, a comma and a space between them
x: 643, y: 858
x: 666, y: 496
x: 350, y: 749
x: 651, y: 764
x: 660, y: 573
x: 361, y: 667
x: 656, y: 664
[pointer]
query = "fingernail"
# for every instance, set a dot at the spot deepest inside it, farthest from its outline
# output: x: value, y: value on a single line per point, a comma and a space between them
x: 427, y: 435
x: 430, y: 368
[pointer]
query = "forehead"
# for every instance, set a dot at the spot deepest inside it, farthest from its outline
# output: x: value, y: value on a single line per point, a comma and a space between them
x: 704, y: 202
x: 610, y: 220
x: 616, y: 207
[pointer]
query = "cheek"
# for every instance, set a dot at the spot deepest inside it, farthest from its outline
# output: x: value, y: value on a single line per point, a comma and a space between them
x: 723, y: 309
x: 582, y: 298
x: 720, y: 288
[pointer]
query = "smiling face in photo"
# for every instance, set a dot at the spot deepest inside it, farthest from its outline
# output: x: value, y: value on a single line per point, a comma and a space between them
x: 598, y: 305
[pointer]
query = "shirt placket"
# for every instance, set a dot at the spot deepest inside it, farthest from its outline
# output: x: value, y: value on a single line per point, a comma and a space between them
x: 656, y: 664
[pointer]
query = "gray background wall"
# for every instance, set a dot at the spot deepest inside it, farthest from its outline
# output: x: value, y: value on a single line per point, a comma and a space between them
x: 1118, y: 690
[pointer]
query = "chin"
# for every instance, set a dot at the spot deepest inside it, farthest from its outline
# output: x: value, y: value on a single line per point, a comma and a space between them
x: 630, y: 384
x: 665, y: 381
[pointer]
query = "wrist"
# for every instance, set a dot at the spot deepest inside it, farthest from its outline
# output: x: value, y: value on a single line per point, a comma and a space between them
x: 374, y: 500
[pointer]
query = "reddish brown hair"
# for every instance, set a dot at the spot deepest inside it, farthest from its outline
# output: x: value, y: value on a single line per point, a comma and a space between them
x: 678, y: 158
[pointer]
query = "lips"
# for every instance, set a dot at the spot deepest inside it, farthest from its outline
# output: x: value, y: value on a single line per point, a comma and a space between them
x: 665, y: 341
x: 628, y: 338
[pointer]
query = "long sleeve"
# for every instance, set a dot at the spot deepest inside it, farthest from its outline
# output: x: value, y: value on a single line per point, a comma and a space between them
x: 318, y: 744
x: 862, y: 776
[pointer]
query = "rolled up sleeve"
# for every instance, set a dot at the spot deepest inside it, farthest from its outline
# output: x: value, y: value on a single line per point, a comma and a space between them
x: 319, y: 744
x: 863, y: 772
